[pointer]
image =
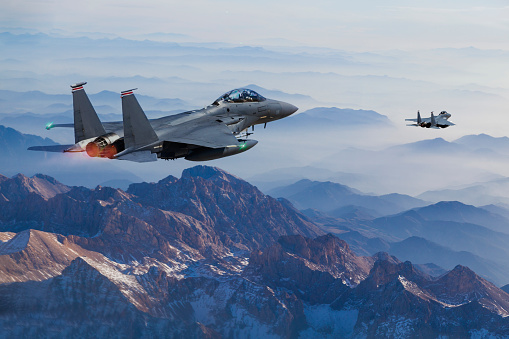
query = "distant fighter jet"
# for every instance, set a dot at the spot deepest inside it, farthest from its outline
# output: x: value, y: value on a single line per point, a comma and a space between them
x: 209, y: 133
x: 439, y: 121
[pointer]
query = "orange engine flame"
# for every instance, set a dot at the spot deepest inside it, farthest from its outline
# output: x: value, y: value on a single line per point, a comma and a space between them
x: 92, y: 150
x: 108, y: 152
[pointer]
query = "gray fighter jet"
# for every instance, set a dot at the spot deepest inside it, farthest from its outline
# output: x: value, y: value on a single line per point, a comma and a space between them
x: 216, y: 131
x: 440, y: 121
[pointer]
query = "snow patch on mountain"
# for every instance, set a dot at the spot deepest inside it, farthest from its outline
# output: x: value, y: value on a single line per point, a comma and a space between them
x: 17, y: 244
x: 244, y: 325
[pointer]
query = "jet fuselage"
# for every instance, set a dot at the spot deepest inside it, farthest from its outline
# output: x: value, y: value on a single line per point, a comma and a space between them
x: 205, y: 134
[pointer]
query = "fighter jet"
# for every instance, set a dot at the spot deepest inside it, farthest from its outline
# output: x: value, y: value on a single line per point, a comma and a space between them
x: 439, y: 121
x: 216, y: 131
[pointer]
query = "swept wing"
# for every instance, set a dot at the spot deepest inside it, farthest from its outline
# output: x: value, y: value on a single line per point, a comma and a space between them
x: 205, y: 131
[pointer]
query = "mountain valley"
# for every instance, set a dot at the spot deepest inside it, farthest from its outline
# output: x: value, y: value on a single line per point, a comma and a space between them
x: 208, y: 255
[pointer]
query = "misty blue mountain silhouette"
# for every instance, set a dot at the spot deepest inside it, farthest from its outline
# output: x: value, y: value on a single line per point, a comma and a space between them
x: 327, y: 117
x: 471, y: 235
x: 329, y: 196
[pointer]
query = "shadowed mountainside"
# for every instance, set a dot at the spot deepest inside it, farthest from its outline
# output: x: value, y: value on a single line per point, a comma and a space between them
x: 208, y: 255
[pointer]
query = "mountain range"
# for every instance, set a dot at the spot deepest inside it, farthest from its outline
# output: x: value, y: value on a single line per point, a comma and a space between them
x: 427, y: 169
x: 323, y: 118
x: 208, y: 255
x: 104, y: 101
x: 329, y: 196
x: 450, y: 232
x: 412, y: 236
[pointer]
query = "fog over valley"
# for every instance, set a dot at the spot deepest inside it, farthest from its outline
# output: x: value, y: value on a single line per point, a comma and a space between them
x: 174, y: 77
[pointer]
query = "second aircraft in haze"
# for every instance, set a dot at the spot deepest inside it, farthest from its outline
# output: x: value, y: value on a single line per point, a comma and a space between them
x: 440, y: 121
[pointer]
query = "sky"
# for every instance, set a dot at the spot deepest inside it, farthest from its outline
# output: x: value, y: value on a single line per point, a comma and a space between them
x: 394, y: 57
x: 353, y: 25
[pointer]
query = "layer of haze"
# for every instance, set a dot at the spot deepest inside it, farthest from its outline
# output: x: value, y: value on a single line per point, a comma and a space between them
x: 353, y: 25
x: 393, y: 58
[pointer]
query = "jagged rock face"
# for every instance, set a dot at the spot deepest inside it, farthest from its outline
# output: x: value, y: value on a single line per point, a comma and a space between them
x: 208, y: 212
x: 242, y: 216
x: 318, y: 270
x: 398, y: 300
x: 237, y: 307
x: 20, y: 186
x: 64, y: 213
x: 169, y: 260
x: 461, y: 285
x: 34, y: 255
x: 82, y: 302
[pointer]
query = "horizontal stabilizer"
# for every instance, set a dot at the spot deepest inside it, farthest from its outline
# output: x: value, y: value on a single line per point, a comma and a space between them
x: 51, y: 148
x: 140, y: 156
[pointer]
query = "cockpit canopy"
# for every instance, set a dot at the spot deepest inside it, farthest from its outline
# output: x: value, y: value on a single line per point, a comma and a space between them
x: 239, y: 95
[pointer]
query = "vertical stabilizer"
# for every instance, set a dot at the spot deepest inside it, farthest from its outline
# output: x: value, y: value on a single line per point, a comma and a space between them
x: 419, y: 120
x: 137, y: 129
x: 86, y: 122
x: 433, y: 122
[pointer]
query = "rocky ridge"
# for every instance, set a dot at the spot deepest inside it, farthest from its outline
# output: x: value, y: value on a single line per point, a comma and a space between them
x: 208, y: 255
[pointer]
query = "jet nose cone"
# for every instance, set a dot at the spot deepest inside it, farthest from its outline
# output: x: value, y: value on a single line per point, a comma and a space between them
x: 288, y: 109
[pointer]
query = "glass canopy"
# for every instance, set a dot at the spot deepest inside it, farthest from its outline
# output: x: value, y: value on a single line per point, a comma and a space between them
x: 239, y: 95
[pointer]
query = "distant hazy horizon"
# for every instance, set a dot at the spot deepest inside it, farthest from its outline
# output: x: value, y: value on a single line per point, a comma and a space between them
x: 394, y: 58
x: 359, y: 26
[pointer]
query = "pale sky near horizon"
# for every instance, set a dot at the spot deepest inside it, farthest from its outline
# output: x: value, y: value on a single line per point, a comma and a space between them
x: 463, y: 82
x: 352, y: 25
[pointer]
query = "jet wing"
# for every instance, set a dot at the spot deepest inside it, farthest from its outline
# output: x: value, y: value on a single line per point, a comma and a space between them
x: 426, y: 120
x: 206, y: 131
x: 50, y: 148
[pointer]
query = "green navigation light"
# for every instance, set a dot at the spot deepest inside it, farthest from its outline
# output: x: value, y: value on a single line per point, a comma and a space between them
x: 242, y: 147
x: 49, y: 125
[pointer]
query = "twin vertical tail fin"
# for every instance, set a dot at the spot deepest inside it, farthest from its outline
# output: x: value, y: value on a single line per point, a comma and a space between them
x: 137, y: 129
x: 433, y: 121
x: 419, y: 120
x: 86, y: 122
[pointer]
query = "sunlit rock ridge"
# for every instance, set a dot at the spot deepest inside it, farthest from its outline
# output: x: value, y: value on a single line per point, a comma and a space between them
x: 208, y: 255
